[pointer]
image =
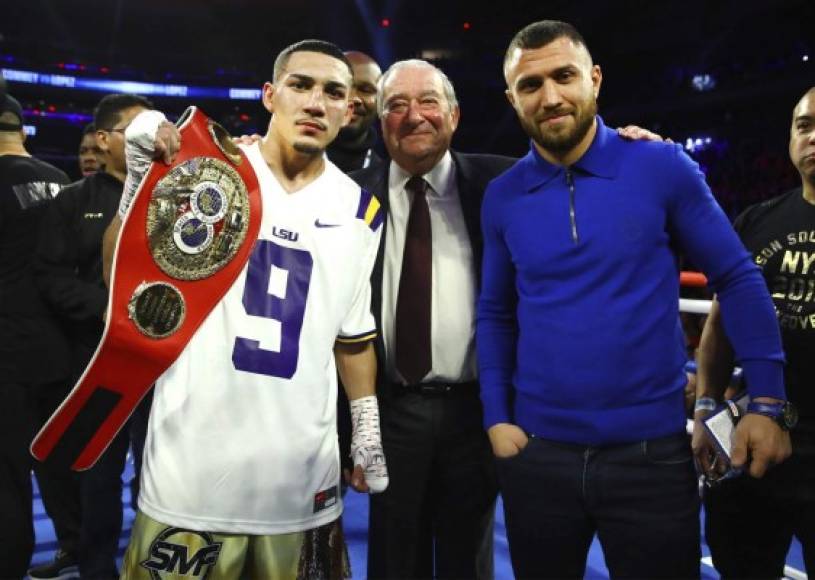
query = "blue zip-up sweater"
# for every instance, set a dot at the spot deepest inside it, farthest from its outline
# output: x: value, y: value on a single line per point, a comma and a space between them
x: 578, y: 326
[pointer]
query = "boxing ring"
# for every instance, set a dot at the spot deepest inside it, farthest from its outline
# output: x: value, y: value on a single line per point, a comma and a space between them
x: 356, y: 510
x: 691, y: 305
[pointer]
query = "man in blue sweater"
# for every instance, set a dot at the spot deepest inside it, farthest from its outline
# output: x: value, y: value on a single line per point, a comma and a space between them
x: 579, y: 343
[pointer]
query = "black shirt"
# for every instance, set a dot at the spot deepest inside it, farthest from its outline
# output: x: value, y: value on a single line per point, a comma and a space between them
x: 32, y: 348
x: 780, y: 234
x: 350, y: 157
x: 69, y: 258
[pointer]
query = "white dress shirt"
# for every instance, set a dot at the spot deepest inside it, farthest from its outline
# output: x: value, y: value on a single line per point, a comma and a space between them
x: 452, y: 322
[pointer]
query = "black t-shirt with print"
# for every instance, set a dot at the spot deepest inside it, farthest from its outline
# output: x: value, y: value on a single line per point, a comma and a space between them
x: 33, y: 349
x: 780, y: 234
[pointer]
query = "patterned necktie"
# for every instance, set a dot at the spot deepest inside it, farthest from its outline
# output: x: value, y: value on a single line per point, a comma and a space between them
x: 413, y: 355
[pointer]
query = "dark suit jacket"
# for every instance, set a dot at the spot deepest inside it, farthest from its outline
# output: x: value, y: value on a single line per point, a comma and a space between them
x: 473, y: 173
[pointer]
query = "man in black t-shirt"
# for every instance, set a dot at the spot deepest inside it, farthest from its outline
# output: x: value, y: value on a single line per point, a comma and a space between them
x: 354, y: 146
x: 89, y: 152
x: 34, y: 356
x: 750, y: 522
x: 353, y: 149
x: 68, y: 269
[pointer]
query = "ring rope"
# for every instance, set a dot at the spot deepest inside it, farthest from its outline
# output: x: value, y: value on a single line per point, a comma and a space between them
x: 692, y: 279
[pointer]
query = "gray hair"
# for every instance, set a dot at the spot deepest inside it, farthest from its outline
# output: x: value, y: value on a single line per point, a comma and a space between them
x: 449, y: 91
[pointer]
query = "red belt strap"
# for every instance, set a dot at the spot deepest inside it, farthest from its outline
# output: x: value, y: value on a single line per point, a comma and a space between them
x: 186, y: 238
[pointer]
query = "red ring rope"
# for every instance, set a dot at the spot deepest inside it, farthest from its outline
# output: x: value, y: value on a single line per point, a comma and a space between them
x: 693, y: 279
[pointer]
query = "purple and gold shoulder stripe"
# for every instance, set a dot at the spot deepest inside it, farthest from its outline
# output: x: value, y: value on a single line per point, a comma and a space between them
x: 362, y: 337
x: 370, y: 210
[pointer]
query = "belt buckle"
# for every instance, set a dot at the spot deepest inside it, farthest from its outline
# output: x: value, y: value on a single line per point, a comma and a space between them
x: 434, y: 389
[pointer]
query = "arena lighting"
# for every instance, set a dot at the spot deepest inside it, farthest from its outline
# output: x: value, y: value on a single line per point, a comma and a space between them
x: 76, y: 118
x: 805, y: 58
x: 703, y: 82
x: 693, y: 144
x: 131, y: 87
x: 71, y: 66
x: 436, y: 53
x: 30, y: 130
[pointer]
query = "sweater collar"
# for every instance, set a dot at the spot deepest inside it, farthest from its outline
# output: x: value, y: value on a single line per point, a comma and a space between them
x: 601, y: 159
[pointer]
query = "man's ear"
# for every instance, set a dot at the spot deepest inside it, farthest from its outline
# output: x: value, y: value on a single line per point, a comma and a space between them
x: 510, y: 97
x: 268, y: 96
x: 349, y: 113
x: 455, y: 116
x: 596, y: 79
x: 102, y: 140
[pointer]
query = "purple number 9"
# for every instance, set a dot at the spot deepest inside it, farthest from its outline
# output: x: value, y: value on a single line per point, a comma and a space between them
x: 292, y: 269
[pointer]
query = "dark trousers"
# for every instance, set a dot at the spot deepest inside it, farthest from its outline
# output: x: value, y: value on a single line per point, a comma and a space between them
x: 750, y: 523
x: 435, y: 519
x: 101, y: 491
x: 138, y: 435
x: 640, y: 498
x: 344, y: 433
x: 24, y: 408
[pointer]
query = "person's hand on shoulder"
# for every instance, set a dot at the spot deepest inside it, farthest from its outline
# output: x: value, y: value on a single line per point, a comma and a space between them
x: 246, y: 139
x: 635, y: 133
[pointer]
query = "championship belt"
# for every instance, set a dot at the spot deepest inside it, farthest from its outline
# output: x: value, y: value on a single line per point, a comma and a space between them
x: 185, y: 239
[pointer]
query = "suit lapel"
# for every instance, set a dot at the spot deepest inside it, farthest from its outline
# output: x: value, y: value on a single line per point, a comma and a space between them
x: 469, y: 193
x: 378, y: 185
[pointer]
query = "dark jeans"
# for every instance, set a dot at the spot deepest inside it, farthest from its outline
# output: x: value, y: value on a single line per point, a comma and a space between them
x: 750, y: 522
x: 640, y: 498
x: 138, y: 435
x: 102, y: 511
x: 16, y: 524
x: 344, y: 432
x: 102, y: 499
x: 435, y: 520
x: 24, y: 408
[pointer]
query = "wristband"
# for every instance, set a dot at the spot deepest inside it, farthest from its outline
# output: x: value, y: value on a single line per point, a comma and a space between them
x: 705, y: 404
x: 784, y: 413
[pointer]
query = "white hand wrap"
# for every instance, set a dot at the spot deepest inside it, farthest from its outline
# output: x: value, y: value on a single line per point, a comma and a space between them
x: 140, y: 139
x: 366, y: 443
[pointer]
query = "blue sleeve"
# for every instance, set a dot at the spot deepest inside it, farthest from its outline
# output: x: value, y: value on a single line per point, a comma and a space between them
x: 748, y: 314
x: 496, y: 328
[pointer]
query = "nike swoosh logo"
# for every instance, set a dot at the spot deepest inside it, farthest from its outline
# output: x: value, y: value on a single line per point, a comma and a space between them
x: 322, y: 225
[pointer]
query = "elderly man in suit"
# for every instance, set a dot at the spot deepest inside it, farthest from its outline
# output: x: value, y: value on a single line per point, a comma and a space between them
x: 435, y: 519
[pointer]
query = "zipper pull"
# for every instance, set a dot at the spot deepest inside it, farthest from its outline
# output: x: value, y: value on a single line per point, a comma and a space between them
x: 572, y: 216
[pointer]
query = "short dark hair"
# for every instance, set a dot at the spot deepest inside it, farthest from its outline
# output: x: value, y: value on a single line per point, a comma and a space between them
x: 309, y: 45
x: 541, y: 33
x: 108, y: 112
x: 89, y: 128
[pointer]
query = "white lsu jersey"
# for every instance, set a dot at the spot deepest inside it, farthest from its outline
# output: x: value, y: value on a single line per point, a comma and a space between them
x: 242, y: 434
